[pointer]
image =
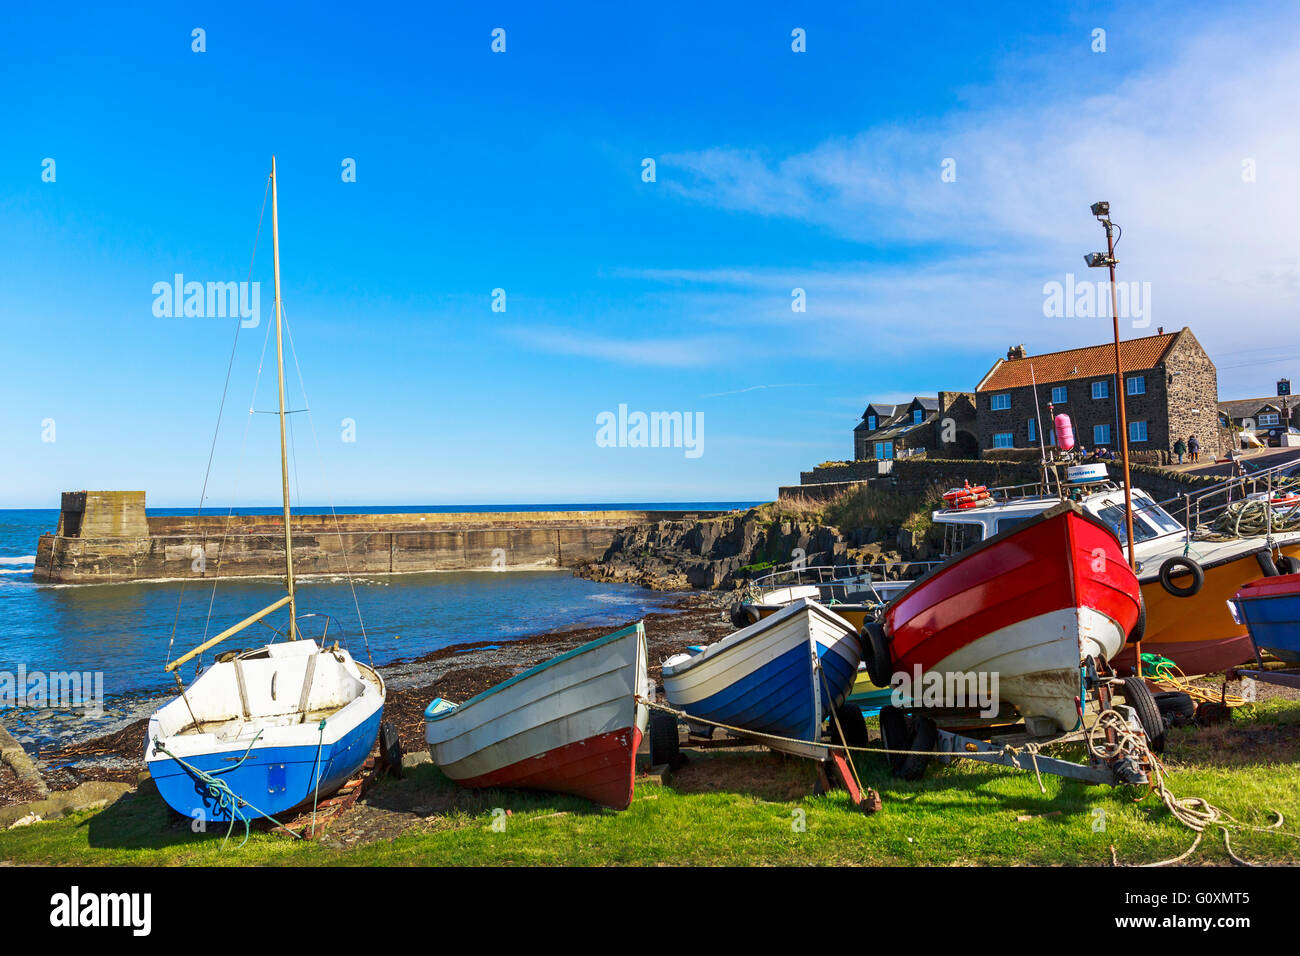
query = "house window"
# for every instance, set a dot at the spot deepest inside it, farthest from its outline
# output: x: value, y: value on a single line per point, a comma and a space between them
x: 1004, y: 440
x: 884, y: 449
x: 916, y: 416
x: 1137, y: 431
x: 1136, y: 384
x: 1033, y: 430
x: 1100, y: 435
x: 1268, y: 418
x: 1101, y: 389
x: 871, y: 423
x: 1058, y: 395
x: 1000, y: 402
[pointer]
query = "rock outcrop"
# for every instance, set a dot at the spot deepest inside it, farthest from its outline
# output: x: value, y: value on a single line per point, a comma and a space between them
x: 723, y: 552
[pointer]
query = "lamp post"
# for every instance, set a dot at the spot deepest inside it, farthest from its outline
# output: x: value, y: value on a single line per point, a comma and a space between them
x: 1096, y: 260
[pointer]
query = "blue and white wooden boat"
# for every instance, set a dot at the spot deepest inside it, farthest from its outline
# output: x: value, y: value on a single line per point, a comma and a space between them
x: 782, y: 676
x: 264, y: 731
x: 1270, y: 609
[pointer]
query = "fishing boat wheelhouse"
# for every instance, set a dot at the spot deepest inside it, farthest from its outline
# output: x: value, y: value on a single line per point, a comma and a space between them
x: 1186, y: 575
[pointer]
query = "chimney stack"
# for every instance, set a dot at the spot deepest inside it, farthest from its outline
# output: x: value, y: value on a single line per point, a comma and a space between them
x: 1015, y: 352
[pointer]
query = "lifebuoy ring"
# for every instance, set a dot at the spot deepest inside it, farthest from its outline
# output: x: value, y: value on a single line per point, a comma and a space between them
x: 1188, y: 566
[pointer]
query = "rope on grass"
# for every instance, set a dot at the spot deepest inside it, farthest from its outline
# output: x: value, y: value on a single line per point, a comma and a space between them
x: 1195, y: 813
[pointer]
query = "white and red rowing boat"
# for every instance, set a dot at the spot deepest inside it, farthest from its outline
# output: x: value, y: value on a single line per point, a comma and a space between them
x: 571, y: 725
x: 1028, y: 604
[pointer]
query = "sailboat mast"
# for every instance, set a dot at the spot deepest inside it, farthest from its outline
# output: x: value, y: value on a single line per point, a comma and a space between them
x: 279, y: 368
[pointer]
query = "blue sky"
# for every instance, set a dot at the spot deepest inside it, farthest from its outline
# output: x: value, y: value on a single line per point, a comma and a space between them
x: 522, y: 171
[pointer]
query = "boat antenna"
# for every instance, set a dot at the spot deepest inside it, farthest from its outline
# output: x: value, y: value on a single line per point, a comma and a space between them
x: 279, y: 370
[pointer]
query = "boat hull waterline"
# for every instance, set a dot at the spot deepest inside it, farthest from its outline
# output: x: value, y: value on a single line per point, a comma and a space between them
x: 570, y: 725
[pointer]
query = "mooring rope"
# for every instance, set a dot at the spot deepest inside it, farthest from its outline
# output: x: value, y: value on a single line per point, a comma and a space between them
x: 219, y: 791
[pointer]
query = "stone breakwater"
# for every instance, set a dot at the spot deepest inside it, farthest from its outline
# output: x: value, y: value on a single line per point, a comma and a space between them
x: 107, y: 536
x: 724, y: 551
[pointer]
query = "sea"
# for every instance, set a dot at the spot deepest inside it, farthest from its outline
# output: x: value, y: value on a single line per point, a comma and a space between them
x: 109, y: 642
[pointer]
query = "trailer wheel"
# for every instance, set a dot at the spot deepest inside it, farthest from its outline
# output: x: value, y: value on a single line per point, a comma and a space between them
x: 850, y: 719
x: 1266, y: 563
x: 1139, y: 698
x: 1139, y: 628
x: 875, y: 654
x: 924, y: 737
x: 1189, y: 566
x: 664, y: 747
x: 895, y: 734
x: 1176, y: 707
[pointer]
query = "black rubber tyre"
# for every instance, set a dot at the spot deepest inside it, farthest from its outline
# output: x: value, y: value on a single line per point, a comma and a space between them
x: 1266, y: 563
x: 1177, y: 708
x: 390, y: 748
x: 924, y: 737
x: 854, y: 724
x: 664, y: 741
x: 1139, y: 698
x: 1288, y: 565
x: 1180, y: 566
x: 741, y: 615
x: 1140, y: 628
x: 875, y: 654
x: 895, y: 734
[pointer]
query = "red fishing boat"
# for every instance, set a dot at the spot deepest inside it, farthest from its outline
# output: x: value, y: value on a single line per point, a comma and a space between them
x: 1027, y: 605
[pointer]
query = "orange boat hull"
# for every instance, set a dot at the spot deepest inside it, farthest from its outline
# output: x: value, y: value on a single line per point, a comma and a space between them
x: 1198, y: 633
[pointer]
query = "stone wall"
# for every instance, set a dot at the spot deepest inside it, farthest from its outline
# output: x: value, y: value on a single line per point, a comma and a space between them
x: 1193, y: 397
x: 214, y: 546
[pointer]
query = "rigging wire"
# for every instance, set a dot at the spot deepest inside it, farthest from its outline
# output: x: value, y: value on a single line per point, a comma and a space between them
x: 216, y: 431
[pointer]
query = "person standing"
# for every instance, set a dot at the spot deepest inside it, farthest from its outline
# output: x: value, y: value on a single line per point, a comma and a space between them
x: 1194, y: 448
x: 1180, y: 449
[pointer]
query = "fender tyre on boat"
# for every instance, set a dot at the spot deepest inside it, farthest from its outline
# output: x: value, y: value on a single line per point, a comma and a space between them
x: 850, y: 718
x: 742, y: 615
x: 875, y: 654
x: 1139, y: 628
x: 664, y: 741
x: 895, y: 734
x: 924, y: 737
x: 1266, y: 563
x: 1172, y: 567
x: 1139, y: 698
x: 1288, y: 565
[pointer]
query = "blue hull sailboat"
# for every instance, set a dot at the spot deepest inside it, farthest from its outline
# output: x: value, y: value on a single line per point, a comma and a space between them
x: 263, y: 731
x: 782, y: 676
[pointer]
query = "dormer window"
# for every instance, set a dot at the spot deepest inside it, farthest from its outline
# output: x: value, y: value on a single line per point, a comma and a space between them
x: 917, y: 415
x: 871, y: 423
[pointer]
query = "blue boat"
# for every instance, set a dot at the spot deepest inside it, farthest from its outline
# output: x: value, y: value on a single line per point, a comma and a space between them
x: 782, y: 676
x: 1270, y: 609
x: 262, y: 732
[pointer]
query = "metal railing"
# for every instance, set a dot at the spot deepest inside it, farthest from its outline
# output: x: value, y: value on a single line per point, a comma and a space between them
x: 1199, y: 511
x: 843, y: 584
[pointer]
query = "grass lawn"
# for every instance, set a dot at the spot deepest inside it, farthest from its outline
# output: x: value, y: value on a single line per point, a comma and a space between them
x: 757, y: 808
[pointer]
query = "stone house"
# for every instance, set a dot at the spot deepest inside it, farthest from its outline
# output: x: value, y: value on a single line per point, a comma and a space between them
x: 942, y: 426
x: 1171, y: 391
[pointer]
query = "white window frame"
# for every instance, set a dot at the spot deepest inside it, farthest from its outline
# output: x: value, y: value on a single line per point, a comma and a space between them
x: 1098, y: 442
x: 1064, y: 395
x: 1136, y: 385
x: 1000, y: 402
x: 871, y: 423
x: 1132, y: 437
x: 917, y: 415
x: 1270, y: 418
x: 1033, y: 435
x: 1010, y: 440
x: 1104, y: 385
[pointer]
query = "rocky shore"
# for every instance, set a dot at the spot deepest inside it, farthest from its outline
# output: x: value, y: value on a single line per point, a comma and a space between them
x: 721, y: 553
